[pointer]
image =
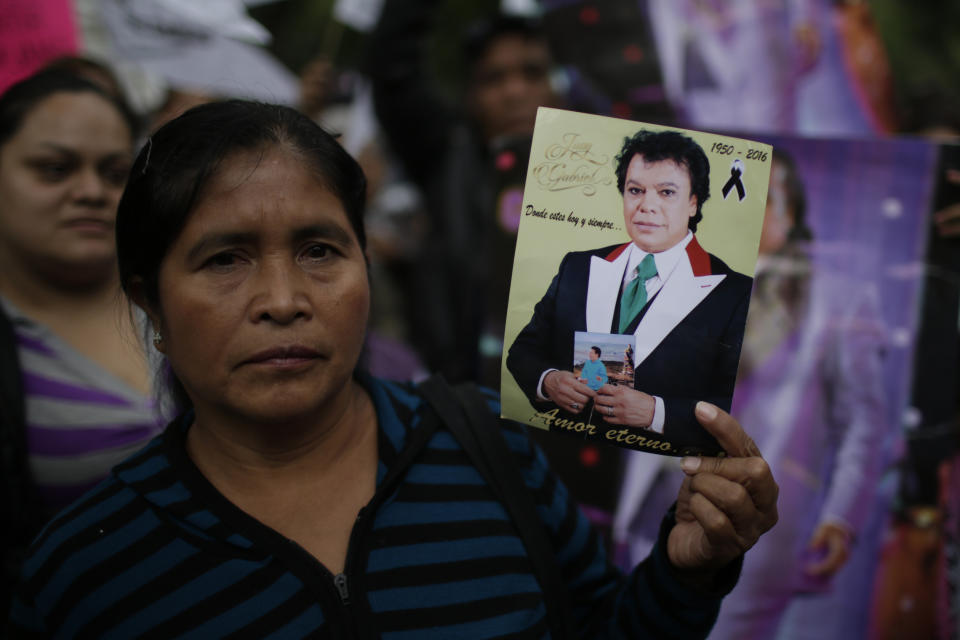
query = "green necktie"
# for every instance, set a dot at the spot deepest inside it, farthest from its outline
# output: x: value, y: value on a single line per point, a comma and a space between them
x: 635, y: 294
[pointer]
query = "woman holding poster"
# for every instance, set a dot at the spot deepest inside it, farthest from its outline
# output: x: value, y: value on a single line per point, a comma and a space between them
x: 296, y: 494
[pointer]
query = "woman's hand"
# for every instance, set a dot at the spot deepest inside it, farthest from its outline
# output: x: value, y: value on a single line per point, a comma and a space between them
x: 725, y: 504
x: 567, y: 391
x: 625, y: 405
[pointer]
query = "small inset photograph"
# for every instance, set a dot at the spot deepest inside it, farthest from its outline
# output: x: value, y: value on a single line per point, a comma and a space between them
x: 603, y: 358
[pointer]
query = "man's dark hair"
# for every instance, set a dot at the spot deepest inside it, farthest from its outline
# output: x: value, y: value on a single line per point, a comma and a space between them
x: 21, y: 98
x: 481, y: 35
x: 656, y: 146
x: 597, y: 349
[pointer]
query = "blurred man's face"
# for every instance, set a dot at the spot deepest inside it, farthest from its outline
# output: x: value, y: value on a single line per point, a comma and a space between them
x: 778, y: 219
x: 509, y: 82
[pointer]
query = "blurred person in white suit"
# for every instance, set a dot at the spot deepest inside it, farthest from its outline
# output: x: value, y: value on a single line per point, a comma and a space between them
x: 809, y: 392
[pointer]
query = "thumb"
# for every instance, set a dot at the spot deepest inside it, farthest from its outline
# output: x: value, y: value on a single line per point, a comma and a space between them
x: 725, y: 428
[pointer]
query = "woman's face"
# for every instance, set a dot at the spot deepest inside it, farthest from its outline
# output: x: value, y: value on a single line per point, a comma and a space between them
x: 264, y: 295
x: 61, y: 175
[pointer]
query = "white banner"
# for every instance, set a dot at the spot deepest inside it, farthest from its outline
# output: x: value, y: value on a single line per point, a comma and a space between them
x: 362, y: 15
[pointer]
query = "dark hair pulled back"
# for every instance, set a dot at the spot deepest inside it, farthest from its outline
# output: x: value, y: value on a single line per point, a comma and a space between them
x: 179, y: 160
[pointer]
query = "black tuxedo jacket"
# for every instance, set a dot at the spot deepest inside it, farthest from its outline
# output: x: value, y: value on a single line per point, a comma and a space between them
x: 688, y: 336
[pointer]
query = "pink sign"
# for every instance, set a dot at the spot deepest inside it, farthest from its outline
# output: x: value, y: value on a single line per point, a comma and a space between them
x: 33, y: 32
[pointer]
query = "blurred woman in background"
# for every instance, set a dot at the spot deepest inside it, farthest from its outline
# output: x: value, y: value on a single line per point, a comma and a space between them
x: 75, y: 392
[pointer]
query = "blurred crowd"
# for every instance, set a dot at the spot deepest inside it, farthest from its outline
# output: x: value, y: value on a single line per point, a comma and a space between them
x: 446, y: 164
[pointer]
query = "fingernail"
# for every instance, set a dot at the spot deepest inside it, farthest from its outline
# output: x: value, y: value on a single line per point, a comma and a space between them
x: 690, y: 464
x: 706, y: 410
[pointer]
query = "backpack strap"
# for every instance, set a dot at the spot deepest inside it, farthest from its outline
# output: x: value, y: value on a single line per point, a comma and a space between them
x: 416, y: 441
x: 466, y: 414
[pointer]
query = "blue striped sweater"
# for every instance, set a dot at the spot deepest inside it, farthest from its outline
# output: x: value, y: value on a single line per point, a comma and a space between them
x: 155, y: 551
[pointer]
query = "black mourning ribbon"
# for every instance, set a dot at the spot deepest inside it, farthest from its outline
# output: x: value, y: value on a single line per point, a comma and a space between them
x: 734, y: 181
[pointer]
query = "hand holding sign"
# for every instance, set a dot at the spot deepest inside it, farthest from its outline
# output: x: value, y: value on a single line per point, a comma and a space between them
x: 725, y: 504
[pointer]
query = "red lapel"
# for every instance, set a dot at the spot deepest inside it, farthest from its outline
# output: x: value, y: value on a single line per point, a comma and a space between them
x: 613, y: 255
x: 699, y: 259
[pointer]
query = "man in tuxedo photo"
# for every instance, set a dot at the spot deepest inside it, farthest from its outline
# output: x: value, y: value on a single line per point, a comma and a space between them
x: 685, y: 307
